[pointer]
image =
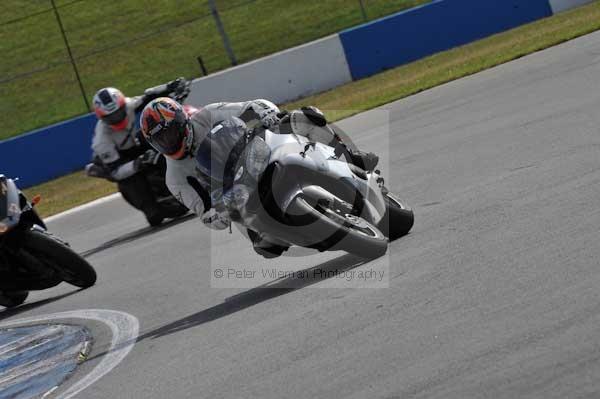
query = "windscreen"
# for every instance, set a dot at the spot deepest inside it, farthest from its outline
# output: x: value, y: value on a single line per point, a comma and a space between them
x: 220, y: 151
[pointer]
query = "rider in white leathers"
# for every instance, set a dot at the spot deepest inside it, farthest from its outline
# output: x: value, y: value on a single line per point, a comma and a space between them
x: 119, y: 154
x: 177, y: 134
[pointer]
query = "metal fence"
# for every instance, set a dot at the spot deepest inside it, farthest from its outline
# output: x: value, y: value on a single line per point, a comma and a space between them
x: 57, y: 53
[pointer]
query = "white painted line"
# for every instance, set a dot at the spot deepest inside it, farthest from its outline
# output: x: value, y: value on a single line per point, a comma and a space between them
x: 83, y: 207
x: 124, y: 328
x: 49, y: 392
x: 564, y: 5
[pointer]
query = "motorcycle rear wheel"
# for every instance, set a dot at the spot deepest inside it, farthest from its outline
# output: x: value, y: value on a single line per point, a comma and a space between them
x: 347, y: 232
x: 398, y: 218
x: 67, y: 263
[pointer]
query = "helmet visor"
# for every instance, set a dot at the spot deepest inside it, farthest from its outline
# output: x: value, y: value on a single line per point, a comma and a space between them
x: 116, y: 117
x: 169, y: 139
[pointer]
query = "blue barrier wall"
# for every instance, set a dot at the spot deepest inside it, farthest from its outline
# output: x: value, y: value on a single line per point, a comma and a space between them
x: 438, y: 26
x: 48, y: 153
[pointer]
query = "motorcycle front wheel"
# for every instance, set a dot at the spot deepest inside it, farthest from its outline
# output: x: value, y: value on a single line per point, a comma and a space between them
x: 70, y: 266
x: 13, y: 299
x: 339, y: 230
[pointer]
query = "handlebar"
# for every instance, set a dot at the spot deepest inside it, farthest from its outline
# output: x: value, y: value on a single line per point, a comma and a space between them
x: 183, y: 90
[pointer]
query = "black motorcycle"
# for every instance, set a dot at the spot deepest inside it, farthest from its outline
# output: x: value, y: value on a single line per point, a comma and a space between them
x: 31, y: 258
x: 146, y: 190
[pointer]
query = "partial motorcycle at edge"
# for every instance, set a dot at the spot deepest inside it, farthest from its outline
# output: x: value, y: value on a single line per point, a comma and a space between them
x: 31, y: 258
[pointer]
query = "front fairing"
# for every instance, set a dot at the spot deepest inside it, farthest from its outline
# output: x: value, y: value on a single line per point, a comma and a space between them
x: 312, y: 169
x: 316, y: 164
x: 228, y: 157
x: 220, y: 151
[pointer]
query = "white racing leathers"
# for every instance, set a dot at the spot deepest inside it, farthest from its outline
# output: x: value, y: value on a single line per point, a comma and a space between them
x: 188, y: 184
x: 108, y: 144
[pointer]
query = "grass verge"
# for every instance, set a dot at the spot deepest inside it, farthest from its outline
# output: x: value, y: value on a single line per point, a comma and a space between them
x: 135, y: 44
x: 75, y: 189
x: 68, y: 191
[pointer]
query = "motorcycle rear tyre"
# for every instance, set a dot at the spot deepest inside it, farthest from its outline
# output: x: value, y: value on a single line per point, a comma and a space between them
x: 13, y: 299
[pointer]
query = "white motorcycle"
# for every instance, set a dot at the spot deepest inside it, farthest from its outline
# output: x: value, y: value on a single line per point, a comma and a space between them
x: 295, y: 192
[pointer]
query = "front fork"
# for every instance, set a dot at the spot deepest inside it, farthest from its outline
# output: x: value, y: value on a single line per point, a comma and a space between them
x: 28, y: 213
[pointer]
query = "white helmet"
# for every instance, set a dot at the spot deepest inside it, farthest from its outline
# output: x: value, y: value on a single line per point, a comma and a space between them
x: 110, y: 107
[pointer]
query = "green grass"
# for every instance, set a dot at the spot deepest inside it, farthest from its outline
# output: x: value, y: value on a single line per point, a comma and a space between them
x: 256, y: 28
x: 69, y: 191
x: 386, y: 87
x: 456, y: 63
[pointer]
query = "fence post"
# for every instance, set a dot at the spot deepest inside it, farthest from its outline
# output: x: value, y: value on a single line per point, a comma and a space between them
x: 363, y: 10
x: 222, y: 32
x: 201, y: 63
x: 64, y: 36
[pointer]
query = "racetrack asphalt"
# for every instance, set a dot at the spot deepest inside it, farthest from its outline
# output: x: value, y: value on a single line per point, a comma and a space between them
x: 494, y: 294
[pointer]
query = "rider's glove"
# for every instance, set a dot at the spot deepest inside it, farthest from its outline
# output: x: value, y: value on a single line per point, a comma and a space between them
x: 174, y: 84
x: 267, y: 112
x: 179, y: 88
x: 146, y: 160
x: 215, y: 220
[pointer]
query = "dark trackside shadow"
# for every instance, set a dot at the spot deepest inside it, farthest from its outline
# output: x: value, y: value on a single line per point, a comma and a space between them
x: 6, y: 313
x: 256, y: 295
x: 249, y: 298
x: 136, y: 235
